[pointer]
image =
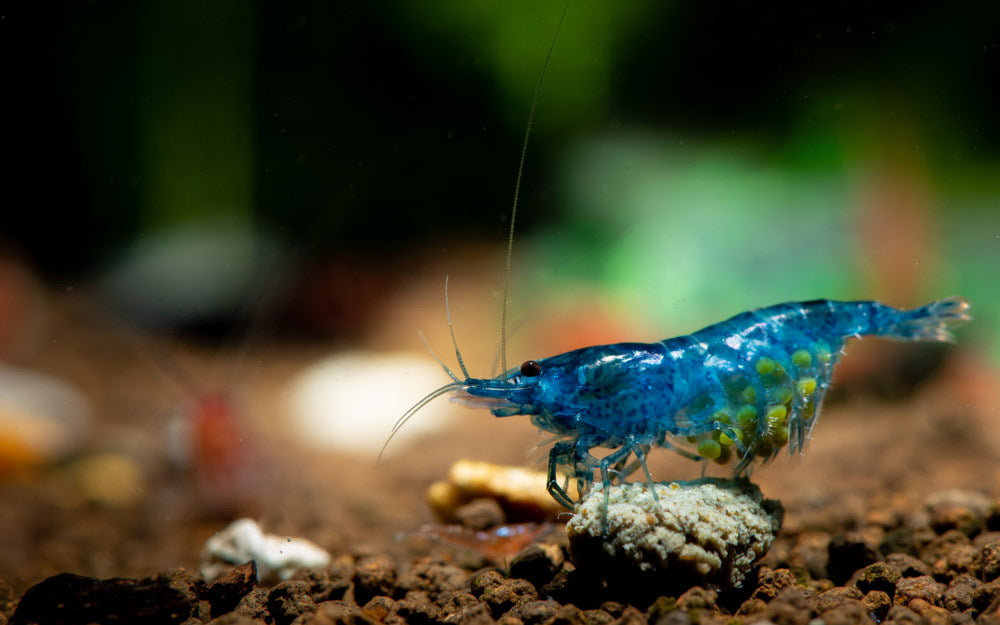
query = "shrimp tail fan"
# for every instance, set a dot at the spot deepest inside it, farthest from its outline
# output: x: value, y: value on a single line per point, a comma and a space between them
x: 933, y: 322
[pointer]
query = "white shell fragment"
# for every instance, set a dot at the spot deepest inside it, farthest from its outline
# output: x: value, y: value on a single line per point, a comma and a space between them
x: 277, y: 557
x: 708, y: 531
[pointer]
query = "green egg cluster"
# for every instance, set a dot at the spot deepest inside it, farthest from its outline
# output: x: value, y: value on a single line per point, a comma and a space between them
x: 760, y: 410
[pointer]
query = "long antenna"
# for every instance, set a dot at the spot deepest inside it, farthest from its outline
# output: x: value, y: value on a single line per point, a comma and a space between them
x: 517, y: 193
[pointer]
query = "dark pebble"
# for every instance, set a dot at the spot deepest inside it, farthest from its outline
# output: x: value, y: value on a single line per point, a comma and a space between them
x: 69, y: 599
x: 878, y: 576
x: 851, y: 551
x: 989, y: 556
x: 501, y: 594
x: 907, y: 565
x: 416, y: 609
x: 479, y: 514
x: 225, y: 593
x: 923, y: 588
x: 836, y: 597
x: 288, y: 600
x: 536, y: 612
x: 254, y: 605
x: 877, y: 603
x: 770, y: 582
x: 537, y: 563
x: 374, y: 575
x: 431, y: 576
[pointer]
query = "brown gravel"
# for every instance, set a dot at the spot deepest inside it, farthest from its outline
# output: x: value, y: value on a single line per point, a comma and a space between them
x: 948, y: 576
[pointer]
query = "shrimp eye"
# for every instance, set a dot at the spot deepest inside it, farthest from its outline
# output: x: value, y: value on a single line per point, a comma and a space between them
x: 530, y: 369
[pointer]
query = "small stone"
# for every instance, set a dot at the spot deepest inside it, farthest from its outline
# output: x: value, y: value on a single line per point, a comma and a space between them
x: 878, y: 576
x: 907, y: 565
x: 416, y: 607
x: 629, y: 616
x: 614, y: 608
x: 480, y: 513
x: 254, y: 605
x: 989, y: 556
x: 853, y: 613
x: 431, y: 576
x: 851, y: 551
x: 501, y: 594
x: 836, y: 597
x: 752, y: 605
x: 878, y: 603
x: 289, y: 599
x: 566, y: 615
x: 536, y: 612
x: 378, y: 607
x: 772, y: 581
x: 697, y: 598
x: 792, y: 606
x: 225, y: 592
x: 924, y: 588
x: 961, y: 593
x: 596, y: 617
x: 374, y: 575
x: 69, y: 598
x: 961, y: 510
x: 902, y: 615
x: 537, y: 563
x: 477, y: 614
x: 709, y: 531
x: 930, y: 613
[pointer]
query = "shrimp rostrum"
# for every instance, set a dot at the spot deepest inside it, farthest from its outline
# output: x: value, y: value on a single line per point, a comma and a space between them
x: 736, y: 392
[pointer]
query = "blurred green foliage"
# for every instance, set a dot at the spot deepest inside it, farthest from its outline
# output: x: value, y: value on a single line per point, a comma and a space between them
x: 692, y: 151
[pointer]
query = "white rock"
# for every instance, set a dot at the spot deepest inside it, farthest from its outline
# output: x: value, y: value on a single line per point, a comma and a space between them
x: 276, y: 556
x: 709, y: 531
x: 351, y: 401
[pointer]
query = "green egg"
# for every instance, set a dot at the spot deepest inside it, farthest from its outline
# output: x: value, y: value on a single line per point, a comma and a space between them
x: 776, y: 415
x: 802, y: 358
x: 746, y: 415
x: 710, y: 449
x: 766, y: 365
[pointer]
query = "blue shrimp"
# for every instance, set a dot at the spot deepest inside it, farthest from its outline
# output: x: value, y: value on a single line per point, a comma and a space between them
x: 734, y: 392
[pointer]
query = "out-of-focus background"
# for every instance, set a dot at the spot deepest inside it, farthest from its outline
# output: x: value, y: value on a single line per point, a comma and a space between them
x: 224, y: 224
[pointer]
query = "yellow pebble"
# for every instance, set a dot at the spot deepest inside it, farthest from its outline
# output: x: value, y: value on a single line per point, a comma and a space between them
x: 823, y: 355
x: 806, y: 386
x: 746, y: 415
x: 749, y: 395
x: 776, y: 415
x: 802, y: 358
x: 691, y: 439
x: 722, y: 416
x: 709, y: 449
x: 766, y: 365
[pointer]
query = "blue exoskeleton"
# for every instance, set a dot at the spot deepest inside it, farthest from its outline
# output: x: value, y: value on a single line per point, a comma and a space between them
x: 737, y: 391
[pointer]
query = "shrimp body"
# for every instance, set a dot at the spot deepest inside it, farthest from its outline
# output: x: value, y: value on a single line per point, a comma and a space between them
x: 734, y: 392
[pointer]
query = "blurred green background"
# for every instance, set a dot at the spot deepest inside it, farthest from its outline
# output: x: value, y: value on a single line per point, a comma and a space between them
x: 690, y: 159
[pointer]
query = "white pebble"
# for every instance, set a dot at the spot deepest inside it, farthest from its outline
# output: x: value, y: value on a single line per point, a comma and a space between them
x: 276, y: 556
x: 709, y: 531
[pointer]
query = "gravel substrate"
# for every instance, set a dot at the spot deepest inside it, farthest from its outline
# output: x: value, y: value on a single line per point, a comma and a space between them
x: 932, y: 561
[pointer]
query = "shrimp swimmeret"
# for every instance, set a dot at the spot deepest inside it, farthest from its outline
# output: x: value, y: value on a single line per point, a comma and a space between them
x: 734, y: 392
